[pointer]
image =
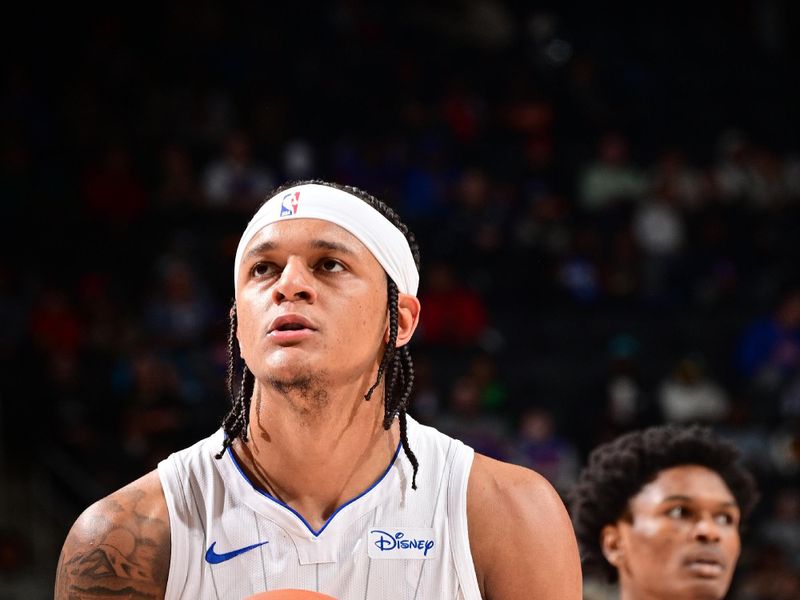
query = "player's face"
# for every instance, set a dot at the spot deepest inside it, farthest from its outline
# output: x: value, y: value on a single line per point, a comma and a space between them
x: 311, y: 301
x: 682, y: 538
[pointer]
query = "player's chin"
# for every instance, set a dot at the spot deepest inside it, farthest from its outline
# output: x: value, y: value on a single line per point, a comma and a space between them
x: 286, y: 361
x: 292, y: 362
x: 699, y: 588
x: 287, y: 354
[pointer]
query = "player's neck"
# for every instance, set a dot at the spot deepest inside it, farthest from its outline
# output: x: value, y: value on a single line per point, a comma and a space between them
x: 317, y: 461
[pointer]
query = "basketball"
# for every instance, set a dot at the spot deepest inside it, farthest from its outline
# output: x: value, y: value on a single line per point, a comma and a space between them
x: 290, y: 595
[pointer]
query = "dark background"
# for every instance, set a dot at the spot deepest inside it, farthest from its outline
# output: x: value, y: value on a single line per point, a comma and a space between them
x: 607, y: 197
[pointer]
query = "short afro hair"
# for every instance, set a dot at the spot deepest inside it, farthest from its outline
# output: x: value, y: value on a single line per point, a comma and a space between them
x: 617, y: 470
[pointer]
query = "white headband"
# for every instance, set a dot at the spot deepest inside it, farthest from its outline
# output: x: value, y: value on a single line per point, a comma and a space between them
x: 313, y: 201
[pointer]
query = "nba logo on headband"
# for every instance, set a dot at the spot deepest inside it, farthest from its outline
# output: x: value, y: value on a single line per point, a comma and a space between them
x: 289, y: 204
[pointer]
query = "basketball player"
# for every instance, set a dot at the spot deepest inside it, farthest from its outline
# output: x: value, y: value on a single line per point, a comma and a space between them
x: 660, y: 510
x: 318, y: 479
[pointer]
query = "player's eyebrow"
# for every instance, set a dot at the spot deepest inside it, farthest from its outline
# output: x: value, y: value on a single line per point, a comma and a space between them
x: 329, y: 245
x: 682, y: 498
x: 675, y: 497
x: 260, y: 249
x: 317, y: 244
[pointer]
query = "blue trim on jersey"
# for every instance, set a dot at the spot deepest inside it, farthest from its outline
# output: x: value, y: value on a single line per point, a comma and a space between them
x: 297, y: 514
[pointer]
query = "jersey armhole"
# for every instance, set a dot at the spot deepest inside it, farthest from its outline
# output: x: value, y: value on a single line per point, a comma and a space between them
x: 457, y: 520
x: 172, y: 484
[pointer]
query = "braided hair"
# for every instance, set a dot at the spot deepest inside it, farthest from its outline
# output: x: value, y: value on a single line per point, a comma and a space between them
x: 396, y: 368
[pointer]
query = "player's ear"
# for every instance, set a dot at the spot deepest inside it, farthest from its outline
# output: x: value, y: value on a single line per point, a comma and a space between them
x: 408, y: 308
x: 612, y: 545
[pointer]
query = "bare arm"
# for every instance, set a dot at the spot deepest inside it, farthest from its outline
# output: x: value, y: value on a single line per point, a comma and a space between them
x: 119, y: 547
x: 521, y: 537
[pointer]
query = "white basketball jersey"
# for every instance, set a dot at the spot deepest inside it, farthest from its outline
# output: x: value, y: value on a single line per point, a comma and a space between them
x: 230, y: 540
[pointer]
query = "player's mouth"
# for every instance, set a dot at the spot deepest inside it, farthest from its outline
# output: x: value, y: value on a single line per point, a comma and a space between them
x: 705, y: 564
x: 290, y: 328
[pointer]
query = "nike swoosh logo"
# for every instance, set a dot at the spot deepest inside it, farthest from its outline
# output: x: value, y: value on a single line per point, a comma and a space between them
x: 214, y: 558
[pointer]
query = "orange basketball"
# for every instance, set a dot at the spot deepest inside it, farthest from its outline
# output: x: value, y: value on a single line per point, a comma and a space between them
x: 290, y: 595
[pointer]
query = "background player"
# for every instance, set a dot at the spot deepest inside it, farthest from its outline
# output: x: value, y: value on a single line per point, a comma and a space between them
x: 660, y: 510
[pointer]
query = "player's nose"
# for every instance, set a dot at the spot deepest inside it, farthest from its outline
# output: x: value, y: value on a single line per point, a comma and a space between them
x: 295, y: 283
x: 706, y: 529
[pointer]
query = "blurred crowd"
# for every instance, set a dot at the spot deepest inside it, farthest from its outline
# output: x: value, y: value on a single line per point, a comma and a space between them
x: 598, y: 252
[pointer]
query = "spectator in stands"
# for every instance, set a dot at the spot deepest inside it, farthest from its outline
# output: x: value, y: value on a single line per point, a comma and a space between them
x: 112, y: 189
x: 154, y: 415
x: 179, y: 310
x: 782, y: 527
x: 539, y: 446
x: 769, y: 350
x: 454, y: 314
x: 578, y: 272
x: 674, y: 178
x: 660, y: 232
x: 732, y: 175
x: 689, y: 395
x: 235, y: 181
x: 770, y: 577
x: 611, y: 179
x: 466, y: 421
x: 626, y: 398
x: 178, y: 188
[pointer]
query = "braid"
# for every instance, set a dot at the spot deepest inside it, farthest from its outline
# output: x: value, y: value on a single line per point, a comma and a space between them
x: 400, y: 370
x: 389, y: 352
x: 391, y: 386
x: 235, y: 422
x: 231, y: 357
x: 408, y: 377
x: 407, y: 449
x: 396, y: 366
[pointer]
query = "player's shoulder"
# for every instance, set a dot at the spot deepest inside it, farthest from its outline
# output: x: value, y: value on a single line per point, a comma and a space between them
x: 142, y: 498
x: 120, y: 542
x: 503, y: 497
x: 492, y: 481
x: 520, y: 534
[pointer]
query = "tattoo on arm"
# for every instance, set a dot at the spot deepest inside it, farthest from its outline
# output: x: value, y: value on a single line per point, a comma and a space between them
x: 119, y: 553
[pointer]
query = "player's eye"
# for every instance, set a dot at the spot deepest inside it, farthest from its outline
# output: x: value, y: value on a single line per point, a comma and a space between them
x: 724, y: 519
x: 329, y: 265
x: 677, y: 512
x: 263, y: 269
